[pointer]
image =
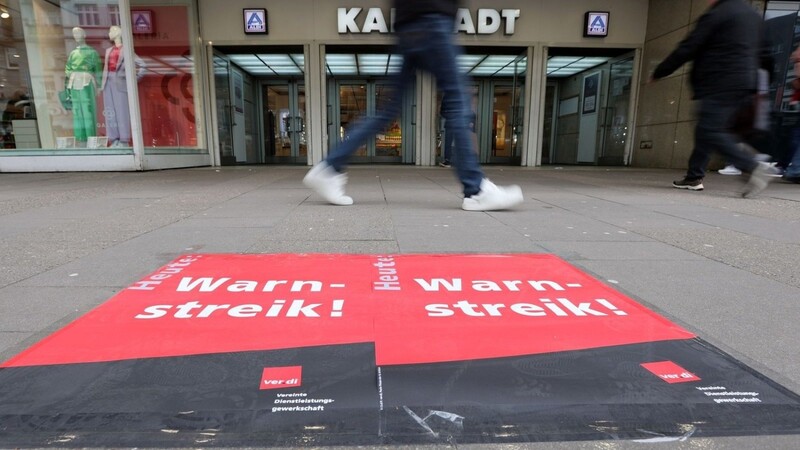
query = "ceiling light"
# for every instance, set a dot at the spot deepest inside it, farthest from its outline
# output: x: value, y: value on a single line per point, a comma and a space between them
x: 5, y: 15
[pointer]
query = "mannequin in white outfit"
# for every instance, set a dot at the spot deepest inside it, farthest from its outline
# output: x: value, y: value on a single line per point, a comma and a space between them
x: 115, y: 91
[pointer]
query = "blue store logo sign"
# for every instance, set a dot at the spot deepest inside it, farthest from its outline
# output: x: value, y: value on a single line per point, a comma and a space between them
x: 596, y: 24
x: 255, y: 21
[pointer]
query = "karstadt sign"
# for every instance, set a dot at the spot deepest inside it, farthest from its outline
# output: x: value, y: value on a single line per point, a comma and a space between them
x: 484, y: 21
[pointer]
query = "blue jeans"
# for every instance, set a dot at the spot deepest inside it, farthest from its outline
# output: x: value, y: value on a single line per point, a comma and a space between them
x: 429, y: 45
x: 793, y: 170
x: 448, y: 140
x: 715, y: 115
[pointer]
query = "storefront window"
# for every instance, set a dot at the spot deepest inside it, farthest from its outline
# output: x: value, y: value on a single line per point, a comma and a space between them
x: 63, y: 85
x: 164, y: 42
x: 50, y: 68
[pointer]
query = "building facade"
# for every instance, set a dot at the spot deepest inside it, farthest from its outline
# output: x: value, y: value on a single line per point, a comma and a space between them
x: 129, y: 85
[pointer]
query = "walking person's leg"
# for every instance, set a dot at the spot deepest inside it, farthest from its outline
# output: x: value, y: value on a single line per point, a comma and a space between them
x: 713, y: 133
x: 327, y: 178
x: 727, y: 141
x: 437, y: 52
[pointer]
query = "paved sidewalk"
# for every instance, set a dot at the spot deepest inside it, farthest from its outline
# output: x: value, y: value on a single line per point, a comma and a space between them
x: 724, y: 267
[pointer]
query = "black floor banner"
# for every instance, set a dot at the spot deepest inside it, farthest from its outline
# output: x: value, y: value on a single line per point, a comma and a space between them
x: 305, y: 350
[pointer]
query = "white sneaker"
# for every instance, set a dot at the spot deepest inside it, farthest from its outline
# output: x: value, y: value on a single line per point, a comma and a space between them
x: 758, y: 181
x: 492, y: 197
x: 774, y: 171
x: 730, y: 170
x: 328, y: 183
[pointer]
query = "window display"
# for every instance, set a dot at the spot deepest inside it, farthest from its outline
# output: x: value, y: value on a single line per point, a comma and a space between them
x: 63, y: 83
x: 116, y: 109
x: 82, y: 70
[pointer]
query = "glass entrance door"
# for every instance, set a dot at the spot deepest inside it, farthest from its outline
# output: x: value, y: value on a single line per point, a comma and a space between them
x: 224, y: 109
x: 284, y: 110
x: 615, y: 123
x: 354, y: 99
x: 498, y: 110
x: 505, y: 123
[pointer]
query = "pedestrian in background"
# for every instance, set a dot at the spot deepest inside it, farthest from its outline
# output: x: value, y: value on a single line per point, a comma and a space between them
x: 792, y: 170
x: 426, y: 41
x: 725, y: 47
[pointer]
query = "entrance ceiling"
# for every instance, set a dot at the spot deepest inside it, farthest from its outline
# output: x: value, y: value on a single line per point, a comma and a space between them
x: 382, y: 64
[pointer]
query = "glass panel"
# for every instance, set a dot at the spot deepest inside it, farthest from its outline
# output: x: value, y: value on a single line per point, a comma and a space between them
x: 390, y: 141
x: 165, y: 68
x: 616, y: 114
x: 277, y: 117
x: 353, y: 101
x: 503, y: 142
x: 223, y: 98
x: 363, y: 64
x: 302, y: 142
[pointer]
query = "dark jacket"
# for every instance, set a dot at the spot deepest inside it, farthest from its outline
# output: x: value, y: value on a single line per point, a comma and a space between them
x: 406, y: 11
x: 725, y: 46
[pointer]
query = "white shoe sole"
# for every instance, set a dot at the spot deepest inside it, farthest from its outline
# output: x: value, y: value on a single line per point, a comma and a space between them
x: 699, y: 187
x: 512, y: 196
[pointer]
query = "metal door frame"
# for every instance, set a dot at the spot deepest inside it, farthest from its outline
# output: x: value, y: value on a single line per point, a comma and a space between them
x: 227, y: 109
x: 293, y: 87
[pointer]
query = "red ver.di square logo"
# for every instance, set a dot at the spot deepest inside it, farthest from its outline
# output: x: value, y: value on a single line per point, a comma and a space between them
x: 670, y: 372
x: 281, y: 377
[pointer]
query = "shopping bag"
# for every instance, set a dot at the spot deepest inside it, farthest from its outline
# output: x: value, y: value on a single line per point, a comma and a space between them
x: 65, y: 98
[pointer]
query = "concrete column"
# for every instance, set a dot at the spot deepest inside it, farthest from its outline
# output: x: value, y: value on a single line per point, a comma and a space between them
x: 425, y: 117
x: 316, y: 102
x: 535, y: 86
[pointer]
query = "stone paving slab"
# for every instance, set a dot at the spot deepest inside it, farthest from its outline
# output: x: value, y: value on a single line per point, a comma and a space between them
x: 725, y: 267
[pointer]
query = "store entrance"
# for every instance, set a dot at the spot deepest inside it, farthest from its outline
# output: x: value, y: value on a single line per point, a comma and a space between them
x: 284, y: 127
x: 261, y: 104
x: 497, y: 103
x: 354, y: 99
x: 358, y: 86
x: 587, y: 115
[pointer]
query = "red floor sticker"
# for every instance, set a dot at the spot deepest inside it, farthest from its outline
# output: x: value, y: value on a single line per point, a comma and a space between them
x: 414, y: 308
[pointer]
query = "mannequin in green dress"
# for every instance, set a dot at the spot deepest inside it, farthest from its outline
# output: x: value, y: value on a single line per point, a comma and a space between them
x: 83, y: 68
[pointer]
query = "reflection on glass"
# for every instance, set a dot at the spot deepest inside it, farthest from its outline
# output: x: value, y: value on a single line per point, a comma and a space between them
x: 162, y: 38
x: 389, y: 142
x: 276, y: 120
x: 501, y: 129
x: 616, y: 114
x: 506, y: 116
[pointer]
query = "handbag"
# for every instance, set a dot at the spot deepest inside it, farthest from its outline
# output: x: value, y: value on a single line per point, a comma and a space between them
x: 65, y: 98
